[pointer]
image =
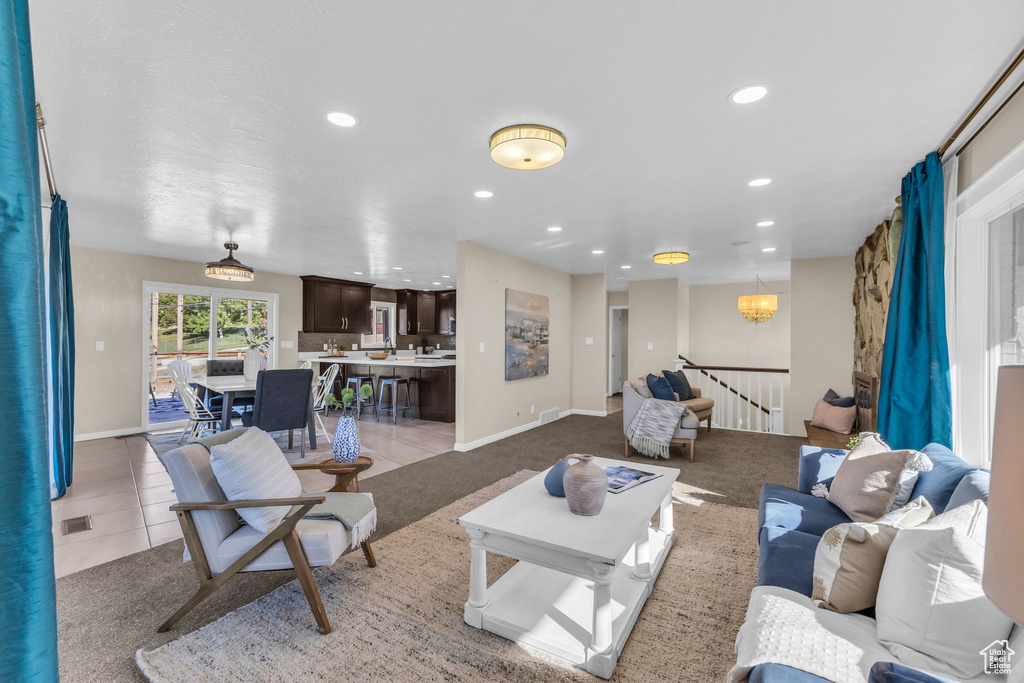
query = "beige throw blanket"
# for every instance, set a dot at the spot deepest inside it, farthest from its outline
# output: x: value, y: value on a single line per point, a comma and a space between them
x: 654, y: 425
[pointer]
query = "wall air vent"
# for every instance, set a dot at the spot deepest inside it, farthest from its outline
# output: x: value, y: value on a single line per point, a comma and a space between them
x: 549, y: 416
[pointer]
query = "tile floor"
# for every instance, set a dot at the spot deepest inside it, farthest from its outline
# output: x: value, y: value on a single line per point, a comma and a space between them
x: 122, y: 485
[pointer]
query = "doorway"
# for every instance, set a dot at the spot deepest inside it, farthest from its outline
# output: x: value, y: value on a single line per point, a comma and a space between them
x: 187, y: 326
x: 618, y: 347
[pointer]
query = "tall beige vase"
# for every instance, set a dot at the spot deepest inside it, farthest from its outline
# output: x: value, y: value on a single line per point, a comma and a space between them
x: 585, y: 483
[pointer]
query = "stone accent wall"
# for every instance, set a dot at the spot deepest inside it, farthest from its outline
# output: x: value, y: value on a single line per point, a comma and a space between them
x: 876, y: 267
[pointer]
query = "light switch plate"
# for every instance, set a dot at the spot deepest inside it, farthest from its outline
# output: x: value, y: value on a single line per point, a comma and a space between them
x: 590, y: 341
x: 411, y: 347
x: 99, y: 346
x: 325, y: 347
x: 286, y: 344
x: 481, y: 347
x: 355, y: 347
x: 650, y: 346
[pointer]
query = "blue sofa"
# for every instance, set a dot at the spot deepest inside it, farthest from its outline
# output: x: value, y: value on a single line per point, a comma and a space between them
x: 790, y: 522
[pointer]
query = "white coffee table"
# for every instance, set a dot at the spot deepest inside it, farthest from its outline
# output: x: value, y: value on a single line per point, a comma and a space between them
x: 581, y: 581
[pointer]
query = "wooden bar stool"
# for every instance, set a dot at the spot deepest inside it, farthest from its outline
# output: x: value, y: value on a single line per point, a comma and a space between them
x: 372, y: 401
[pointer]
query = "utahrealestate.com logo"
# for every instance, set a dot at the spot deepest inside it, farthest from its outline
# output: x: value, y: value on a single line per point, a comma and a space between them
x: 997, y: 657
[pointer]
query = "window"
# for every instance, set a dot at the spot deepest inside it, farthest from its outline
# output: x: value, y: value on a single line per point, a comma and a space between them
x: 1007, y: 294
x: 383, y: 315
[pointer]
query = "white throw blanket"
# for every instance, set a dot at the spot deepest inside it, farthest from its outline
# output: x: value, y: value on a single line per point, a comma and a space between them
x: 654, y: 425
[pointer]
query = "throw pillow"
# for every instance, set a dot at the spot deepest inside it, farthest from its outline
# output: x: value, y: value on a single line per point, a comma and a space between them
x: 849, y: 558
x: 871, y: 443
x: 660, y: 387
x: 867, y: 484
x: 642, y: 389
x: 253, y: 467
x: 931, y: 611
x: 834, y: 399
x: 833, y: 418
x: 680, y: 384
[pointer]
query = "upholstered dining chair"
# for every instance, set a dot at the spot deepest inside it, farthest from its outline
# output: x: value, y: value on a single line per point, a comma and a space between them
x: 220, y: 546
x: 225, y: 368
x: 282, y: 402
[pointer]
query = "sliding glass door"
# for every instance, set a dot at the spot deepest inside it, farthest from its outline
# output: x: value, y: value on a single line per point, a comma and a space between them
x: 188, y: 326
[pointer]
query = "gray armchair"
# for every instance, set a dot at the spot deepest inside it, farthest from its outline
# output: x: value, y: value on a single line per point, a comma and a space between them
x: 686, y: 432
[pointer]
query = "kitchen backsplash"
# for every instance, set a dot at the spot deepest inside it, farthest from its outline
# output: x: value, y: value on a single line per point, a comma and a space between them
x: 314, y: 341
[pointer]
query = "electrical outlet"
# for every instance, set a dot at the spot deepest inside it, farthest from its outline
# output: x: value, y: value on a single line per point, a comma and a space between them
x: 325, y: 347
x: 286, y: 344
x: 481, y: 347
x: 99, y: 346
x: 650, y: 346
x: 355, y: 347
x: 411, y: 347
x: 532, y: 411
x: 590, y: 341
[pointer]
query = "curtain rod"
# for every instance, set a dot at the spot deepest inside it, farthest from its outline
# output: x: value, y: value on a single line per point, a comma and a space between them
x: 41, y: 125
x: 982, y: 102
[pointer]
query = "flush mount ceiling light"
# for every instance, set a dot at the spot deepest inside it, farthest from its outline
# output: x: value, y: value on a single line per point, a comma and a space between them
x: 760, y: 182
x: 748, y: 94
x: 483, y: 194
x: 527, y: 147
x: 229, y: 268
x: 341, y: 119
x: 670, y: 258
x: 765, y: 224
x: 758, y: 308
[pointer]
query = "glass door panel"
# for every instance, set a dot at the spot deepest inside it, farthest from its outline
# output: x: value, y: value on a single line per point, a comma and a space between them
x: 234, y: 317
x: 179, y: 333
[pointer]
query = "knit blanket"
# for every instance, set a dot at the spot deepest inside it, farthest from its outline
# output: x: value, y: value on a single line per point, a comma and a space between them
x: 654, y: 425
x: 355, y: 510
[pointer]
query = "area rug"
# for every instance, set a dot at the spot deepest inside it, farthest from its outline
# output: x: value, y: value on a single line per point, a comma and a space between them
x: 402, y: 621
x: 168, y: 441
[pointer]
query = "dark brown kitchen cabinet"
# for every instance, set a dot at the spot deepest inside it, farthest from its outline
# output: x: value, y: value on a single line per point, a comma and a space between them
x: 445, y: 302
x: 436, y: 394
x: 426, y: 313
x: 406, y: 311
x: 330, y: 305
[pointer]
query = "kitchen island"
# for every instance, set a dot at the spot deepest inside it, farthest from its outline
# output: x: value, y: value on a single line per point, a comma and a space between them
x: 431, y: 380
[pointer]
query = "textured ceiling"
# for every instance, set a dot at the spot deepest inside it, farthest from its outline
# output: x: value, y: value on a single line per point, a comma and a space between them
x: 175, y: 125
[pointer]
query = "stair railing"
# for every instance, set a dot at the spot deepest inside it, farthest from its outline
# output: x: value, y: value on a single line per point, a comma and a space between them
x: 759, y: 407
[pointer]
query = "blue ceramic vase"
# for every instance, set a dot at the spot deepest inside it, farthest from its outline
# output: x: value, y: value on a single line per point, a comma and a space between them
x: 346, y: 446
x: 553, y: 480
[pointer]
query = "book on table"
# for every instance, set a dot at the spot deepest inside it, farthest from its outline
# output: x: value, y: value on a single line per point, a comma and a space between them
x: 624, y: 478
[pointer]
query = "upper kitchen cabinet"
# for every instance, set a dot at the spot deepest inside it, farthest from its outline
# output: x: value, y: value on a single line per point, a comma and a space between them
x: 330, y: 305
x: 406, y: 311
x: 426, y: 313
x: 445, y: 312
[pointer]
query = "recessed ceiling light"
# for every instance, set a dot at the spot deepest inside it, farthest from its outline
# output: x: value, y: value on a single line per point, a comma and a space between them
x: 357, y: 272
x: 341, y: 119
x: 597, y: 251
x: 397, y: 268
x: 451, y: 286
x: 626, y: 267
x: 748, y: 94
x: 483, y: 194
x: 768, y: 249
x: 765, y: 224
x: 437, y: 283
x: 759, y: 182
x: 446, y: 276
x: 554, y: 228
x: 406, y: 280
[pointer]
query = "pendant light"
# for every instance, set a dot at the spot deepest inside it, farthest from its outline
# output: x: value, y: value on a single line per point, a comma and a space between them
x: 229, y: 268
x: 527, y: 147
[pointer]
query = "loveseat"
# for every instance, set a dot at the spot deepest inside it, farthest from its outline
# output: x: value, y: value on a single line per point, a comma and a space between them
x: 790, y: 523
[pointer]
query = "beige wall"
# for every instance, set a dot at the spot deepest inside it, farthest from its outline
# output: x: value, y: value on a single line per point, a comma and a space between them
x: 618, y: 298
x: 589, y: 361
x: 485, y: 404
x: 821, y: 334
x: 108, y: 308
x: 682, y: 322
x: 654, y: 312
x: 720, y: 336
x: 1004, y: 132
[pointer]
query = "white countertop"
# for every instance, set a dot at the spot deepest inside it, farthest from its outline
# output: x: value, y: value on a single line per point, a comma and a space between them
x: 359, y: 358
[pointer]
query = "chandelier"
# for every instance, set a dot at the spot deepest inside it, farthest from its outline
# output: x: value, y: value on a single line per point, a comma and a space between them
x: 229, y: 268
x: 758, y: 308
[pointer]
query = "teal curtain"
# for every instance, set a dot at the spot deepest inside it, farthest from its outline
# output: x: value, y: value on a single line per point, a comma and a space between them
x: 915, y: 402
x: 28, y: 615
x: 61, y: 307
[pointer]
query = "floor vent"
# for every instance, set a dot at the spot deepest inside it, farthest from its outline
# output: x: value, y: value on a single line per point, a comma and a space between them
x: 549, y: 416
x: 76, y: 524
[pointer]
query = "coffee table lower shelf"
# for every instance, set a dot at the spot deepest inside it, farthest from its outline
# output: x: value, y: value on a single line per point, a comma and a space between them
x: 554, y: 612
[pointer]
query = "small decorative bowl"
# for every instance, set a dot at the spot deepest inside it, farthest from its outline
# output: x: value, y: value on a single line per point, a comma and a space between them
x: 377, y: 356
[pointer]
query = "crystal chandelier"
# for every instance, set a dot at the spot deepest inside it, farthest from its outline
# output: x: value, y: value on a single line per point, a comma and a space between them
x: 758, y: 308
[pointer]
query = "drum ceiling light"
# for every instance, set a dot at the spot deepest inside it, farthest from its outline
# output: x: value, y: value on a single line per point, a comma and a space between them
x: 527, y: 147
x: 229, y: 268
x: 758, y: 308
x: 670, y: 258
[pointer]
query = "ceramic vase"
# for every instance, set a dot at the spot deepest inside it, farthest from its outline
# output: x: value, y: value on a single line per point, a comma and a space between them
x: 586, y: 485
x: 251, y: 364
x: 346, y: 446
x: 553, y: 480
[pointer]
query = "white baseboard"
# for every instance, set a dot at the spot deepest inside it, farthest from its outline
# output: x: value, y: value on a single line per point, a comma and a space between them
x: 107, y: 435
x: 464, y: 447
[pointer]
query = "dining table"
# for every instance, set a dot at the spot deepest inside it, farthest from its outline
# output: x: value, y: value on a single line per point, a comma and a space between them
x: 230, y: 386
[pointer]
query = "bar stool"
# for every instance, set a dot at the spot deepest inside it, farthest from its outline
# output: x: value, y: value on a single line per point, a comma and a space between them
x: 359, y: 382
x: 393, y: 385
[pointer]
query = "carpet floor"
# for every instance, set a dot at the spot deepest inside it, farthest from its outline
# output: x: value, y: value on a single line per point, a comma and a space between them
x: 403, y: 620
x: 106, y: 613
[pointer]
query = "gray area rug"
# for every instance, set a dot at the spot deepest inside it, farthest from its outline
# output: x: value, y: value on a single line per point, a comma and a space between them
x: 106, y: 613
x: 402, y: 621
x: 162, y: 443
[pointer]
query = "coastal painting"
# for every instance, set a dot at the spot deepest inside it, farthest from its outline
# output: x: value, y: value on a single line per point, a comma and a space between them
x: 526, y: 334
